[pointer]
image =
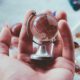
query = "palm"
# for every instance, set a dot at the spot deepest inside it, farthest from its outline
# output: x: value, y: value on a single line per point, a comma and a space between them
x: 25, y: 72
x: 51, y: 74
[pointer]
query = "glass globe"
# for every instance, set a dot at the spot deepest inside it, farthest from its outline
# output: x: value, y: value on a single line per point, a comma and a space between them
x: 44, y: 30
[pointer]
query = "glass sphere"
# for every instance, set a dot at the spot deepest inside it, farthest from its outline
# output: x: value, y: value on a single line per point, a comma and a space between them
x: 44, y: 27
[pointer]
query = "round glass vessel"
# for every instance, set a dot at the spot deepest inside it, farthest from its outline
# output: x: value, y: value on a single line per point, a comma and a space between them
x: 44, y: 29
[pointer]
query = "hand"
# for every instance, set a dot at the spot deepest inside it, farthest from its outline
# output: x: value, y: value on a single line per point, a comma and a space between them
x: 17, y: 69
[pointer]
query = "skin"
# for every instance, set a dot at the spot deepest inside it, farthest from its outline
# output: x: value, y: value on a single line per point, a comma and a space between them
x: 20, y: 69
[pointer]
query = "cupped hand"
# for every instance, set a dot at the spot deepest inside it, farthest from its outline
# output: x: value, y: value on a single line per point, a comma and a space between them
x: 20, y: 69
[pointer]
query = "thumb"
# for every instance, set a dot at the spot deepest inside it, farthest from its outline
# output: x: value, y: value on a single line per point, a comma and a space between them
x: 5, y: 39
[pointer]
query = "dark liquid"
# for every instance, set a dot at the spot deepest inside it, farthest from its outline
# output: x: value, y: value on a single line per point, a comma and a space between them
x: 42, y: 61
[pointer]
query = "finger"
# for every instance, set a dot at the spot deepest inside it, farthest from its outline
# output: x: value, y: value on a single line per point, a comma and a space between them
x: 61, y: 15
x: 14, y: 41
x: 25, y: 39
x: 29, y: 13
x: 15, y: 29
x: 5, y: 39
x: 68, y: 45
x: 58, y: 46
